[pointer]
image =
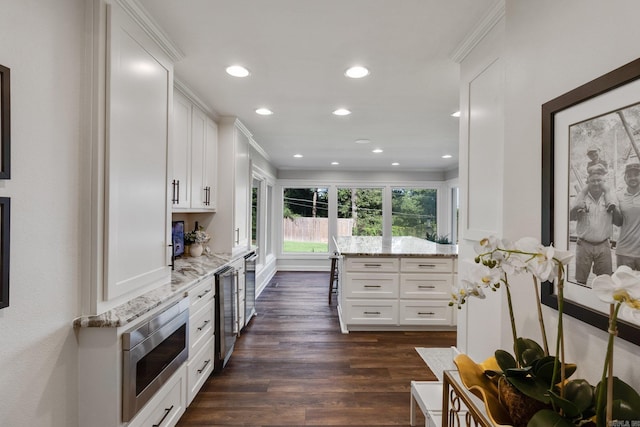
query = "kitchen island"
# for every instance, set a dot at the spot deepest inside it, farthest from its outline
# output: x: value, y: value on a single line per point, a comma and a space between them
x: 402, y: 283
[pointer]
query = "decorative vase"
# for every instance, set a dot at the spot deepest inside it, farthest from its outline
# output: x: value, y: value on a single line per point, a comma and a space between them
x: 196, y: 249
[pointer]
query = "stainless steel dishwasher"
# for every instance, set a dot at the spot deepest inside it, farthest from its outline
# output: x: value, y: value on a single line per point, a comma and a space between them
x: 226, y: 303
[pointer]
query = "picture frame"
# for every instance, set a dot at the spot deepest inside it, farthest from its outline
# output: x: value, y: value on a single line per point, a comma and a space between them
x: 177, y: 237
x: 5, y: 227
x: 580, y: 121
x: 5, y: 122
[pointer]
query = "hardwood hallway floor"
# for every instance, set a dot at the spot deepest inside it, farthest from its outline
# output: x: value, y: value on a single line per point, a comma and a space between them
x: 293, y: 367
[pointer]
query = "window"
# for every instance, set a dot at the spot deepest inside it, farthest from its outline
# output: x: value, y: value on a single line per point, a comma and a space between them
x: 359, y: 212
x: 305, y: 221
x: 414, y: 212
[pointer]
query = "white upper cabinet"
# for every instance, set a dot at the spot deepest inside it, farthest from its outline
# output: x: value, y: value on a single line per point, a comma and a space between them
x: 195, y: 150
x: 130, y: 101
x: 181, y: 152
x: 234, y: 178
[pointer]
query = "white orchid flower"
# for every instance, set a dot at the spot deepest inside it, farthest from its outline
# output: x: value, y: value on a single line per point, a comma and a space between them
x: 483, y: 276
x: 464, y: 289
x: 622, y: 286
x: 487, y: 244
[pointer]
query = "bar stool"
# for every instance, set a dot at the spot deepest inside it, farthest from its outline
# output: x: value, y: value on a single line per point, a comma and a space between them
x: 333, y: 277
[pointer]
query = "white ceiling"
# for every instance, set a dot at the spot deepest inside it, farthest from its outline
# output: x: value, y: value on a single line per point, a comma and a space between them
x: 297, y: 52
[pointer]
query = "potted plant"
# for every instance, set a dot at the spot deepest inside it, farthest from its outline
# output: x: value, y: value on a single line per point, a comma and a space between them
x: 196, y: 239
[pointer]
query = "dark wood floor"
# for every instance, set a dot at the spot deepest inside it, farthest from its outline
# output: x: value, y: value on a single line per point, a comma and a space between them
x: 293, y: 367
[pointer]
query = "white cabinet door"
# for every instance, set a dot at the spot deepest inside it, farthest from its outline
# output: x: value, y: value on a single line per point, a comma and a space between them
x: 136, y: 199
x: 194, y: 154
x: 181, y: 151
x: 210, y: 175
x: 198, y: 132
x: 242, y: 187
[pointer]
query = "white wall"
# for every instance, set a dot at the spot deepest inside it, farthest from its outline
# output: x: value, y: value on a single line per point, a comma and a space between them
x: 552, y: 47
x: 42, y: 43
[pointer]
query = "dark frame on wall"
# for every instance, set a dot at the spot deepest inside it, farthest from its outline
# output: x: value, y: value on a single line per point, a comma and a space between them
x: 597, y: 95
x: 5, y: 227
x: 5, y: 122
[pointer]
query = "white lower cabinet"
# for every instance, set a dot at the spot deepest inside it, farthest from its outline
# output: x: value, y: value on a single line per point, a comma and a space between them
x: 397, y: 291
x: 167, y: 406
x: 199, y: 367
x: 372, y: 312
x: 201, y: 336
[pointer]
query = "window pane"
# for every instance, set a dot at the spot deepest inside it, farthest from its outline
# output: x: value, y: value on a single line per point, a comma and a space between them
x: 305, y: 224
x: 413, y: 212
x: 359, y: 212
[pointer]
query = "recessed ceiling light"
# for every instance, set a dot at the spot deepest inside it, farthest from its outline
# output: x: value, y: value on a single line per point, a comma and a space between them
x: 335, y: 163
x: 456, y: 114
x: 237, y: 71
x: 447, y: 156
x: 297, y: 156
x: 377, y: 150
x: 264, y: 111
x: 342, y: 112
x: 356, y: 72
x: 362, y: 141
x: 395, y: 164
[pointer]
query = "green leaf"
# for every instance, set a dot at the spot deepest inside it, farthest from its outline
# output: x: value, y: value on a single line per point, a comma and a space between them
x: 569, y: 408
x: 549, y: 418
x: 532, y: 387
x: 518, y: 372
x: 505, y: 360
x: 626, y: 402
x: 530, y: 351
x: 581, y: 393
x: 544, y: 370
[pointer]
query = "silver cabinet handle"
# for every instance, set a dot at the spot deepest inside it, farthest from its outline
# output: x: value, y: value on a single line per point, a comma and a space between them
x: 237, y: 236
x: 373, y: 265
x: 427, y: 265
x: 167, y: 411
x: 372, y: 286
x: 426, y: 287
x: 204, y: 293
x: 428, y: 313
x: 373, y: 312
x: 206, y: 362
x: 204, y: 325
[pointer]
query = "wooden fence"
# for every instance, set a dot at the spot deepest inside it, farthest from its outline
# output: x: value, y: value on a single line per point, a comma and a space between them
x: 303, y: 229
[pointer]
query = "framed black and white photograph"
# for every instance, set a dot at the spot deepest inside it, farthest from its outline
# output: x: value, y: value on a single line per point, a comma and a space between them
x: 5, y: 122
x: 591, y: 188
x: 5, y: 227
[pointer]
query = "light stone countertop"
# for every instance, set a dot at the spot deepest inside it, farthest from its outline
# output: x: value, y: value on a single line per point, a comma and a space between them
x: 396, y: 246
x: 187, y: 273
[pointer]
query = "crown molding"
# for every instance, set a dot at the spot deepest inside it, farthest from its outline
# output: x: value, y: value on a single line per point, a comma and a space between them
x: 191, y: 95
x: 490, y: 19
x: 151, y: 28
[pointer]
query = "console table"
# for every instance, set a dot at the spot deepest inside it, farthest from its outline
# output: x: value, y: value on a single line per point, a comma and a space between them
x: 459, y: 406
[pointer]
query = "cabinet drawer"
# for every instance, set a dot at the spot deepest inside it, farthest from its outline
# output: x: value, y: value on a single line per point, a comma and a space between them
x: 372, y: 312
x: 363, y: 285
x: 167, y: 406
x: 201, y: 294
x: 382, y: 264
x: 426, y: 286
x: 426, y: 313
x: 198, y: 369
x: 200, y: 327
x: 424, y: 265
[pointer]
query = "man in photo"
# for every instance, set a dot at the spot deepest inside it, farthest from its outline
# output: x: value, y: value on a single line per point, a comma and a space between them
x: 592, y: 212
x: 627, y: 216
x: 593, y: 153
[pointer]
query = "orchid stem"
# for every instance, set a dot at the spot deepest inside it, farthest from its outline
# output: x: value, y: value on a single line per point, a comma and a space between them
x: 540, y: 319
x: 513, y: 322
x: 608, y: 368
x: 560, y: 337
